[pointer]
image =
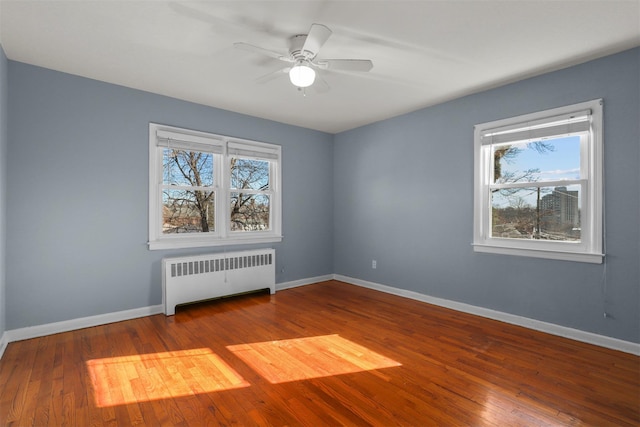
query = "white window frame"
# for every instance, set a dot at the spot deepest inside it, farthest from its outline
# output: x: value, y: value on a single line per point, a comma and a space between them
x: 590, y: 247
x: 223, y: 148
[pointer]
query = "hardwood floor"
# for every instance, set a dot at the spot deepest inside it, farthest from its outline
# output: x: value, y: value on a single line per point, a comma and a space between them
x: 319, y: 355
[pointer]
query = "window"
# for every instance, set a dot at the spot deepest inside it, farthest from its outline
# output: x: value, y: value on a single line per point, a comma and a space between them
x: 538, y: 184
x: 209, y: 190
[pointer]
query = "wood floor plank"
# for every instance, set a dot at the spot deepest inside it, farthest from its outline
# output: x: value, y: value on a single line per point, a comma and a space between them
x: 323, y: 354
x: 15, y: 378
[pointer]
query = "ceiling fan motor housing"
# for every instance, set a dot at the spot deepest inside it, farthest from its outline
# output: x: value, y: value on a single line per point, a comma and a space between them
x: 297, y: 43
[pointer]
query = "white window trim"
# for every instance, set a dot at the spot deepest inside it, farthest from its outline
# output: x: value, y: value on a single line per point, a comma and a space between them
x: 590, y: 249
x: 217, y: 144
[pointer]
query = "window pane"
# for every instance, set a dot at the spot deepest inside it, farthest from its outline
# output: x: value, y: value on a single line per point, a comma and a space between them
x: 187, y: 211
x: 545, y: 213
x: 249, y: 174
x: 189, y: 168
x: 250, y: 212
x: 548, y: 160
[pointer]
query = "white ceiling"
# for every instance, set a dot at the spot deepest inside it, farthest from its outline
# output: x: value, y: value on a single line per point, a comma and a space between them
x: 424, y: 52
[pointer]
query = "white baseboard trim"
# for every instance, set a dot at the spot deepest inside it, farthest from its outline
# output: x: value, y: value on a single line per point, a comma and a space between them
x: 83, y: 322
x: 550, y: 328
x: 102, y: 319
x: 303, y: 282
x: 4, y: 341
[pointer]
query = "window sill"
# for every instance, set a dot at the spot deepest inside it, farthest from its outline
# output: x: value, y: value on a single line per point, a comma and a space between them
x: 201, y: 243
x: 537, y: 253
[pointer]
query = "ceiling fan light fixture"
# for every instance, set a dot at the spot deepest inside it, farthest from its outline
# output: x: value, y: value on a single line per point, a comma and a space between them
x: 302, y: 75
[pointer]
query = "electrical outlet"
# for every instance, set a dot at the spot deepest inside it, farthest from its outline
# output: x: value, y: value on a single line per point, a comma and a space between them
x: 374, y: 264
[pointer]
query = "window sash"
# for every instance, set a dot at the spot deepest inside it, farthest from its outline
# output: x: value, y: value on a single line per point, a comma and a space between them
x: 189, y: 187
x: 584, y: 241
x: 536, y: 184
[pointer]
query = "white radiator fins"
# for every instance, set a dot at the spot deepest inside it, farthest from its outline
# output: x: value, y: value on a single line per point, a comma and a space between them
x: 185, y: 268
x: 201, y: 277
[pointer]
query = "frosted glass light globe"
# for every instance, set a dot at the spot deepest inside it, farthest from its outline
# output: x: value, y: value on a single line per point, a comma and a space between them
x: 302, y: 75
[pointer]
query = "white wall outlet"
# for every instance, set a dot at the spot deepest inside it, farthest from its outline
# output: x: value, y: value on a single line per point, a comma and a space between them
x: 374, y: 264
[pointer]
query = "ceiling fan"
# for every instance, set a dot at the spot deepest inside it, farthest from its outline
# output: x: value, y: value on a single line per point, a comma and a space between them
x: 303, y: 57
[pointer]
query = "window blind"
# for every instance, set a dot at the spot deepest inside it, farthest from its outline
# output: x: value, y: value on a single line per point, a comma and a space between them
x: 239, y: 149
x: 183, y: 141
x: 550, y: 127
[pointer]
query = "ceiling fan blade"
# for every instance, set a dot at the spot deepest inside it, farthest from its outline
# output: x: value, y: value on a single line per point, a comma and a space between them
x: 272, y: 75
x: 318, y: 35
x: 256, y: 49
x: 345, y: 64
x: 320, y: 85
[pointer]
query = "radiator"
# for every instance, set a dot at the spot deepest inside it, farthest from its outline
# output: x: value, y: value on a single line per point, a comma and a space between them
x: 201, y: 277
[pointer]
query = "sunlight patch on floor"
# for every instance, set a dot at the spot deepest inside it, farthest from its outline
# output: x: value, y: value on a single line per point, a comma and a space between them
x: 138, y: 378
x: 311, y: 357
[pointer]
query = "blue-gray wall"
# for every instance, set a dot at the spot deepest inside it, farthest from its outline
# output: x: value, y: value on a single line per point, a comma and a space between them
x: 3, y: 186
x: 398, y: 191
x: 403, y: 196
x: 78, y: 194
